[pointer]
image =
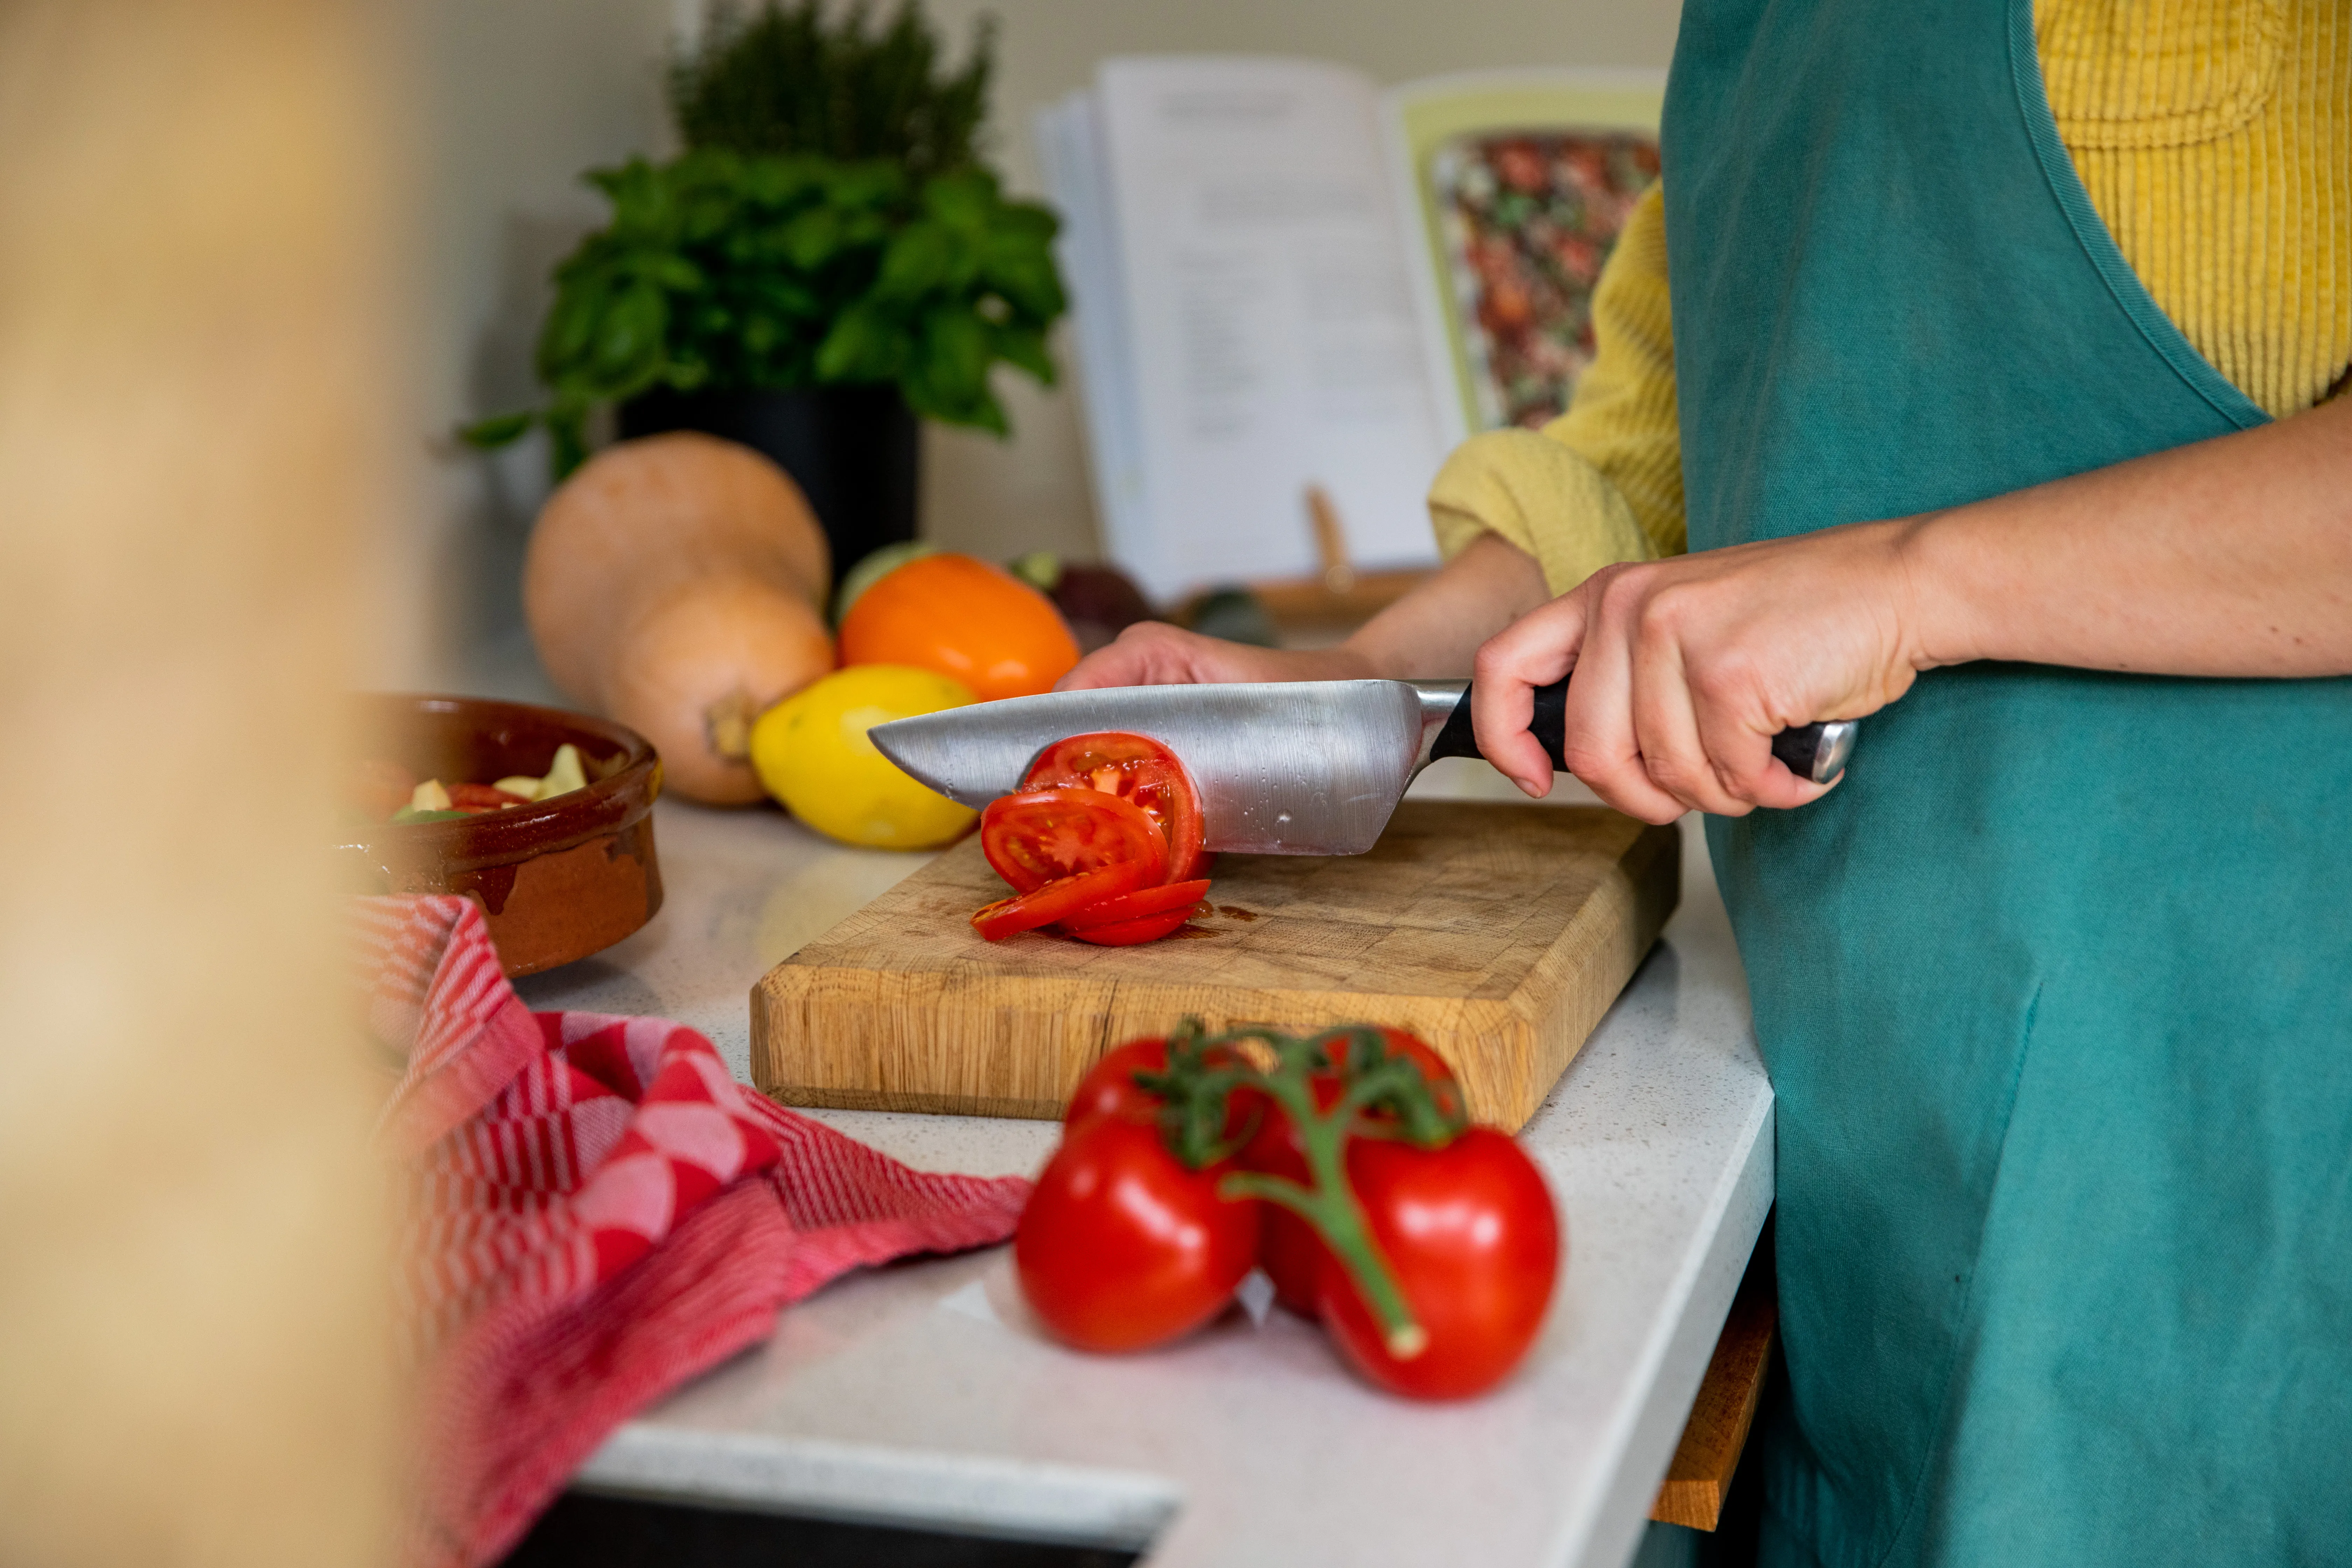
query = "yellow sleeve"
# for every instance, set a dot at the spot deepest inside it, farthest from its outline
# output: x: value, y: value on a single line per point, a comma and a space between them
x: 1603, y: 482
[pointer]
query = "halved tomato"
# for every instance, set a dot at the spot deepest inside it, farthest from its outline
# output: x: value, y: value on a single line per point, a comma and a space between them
x: 1128, y: 933
x: 1136, y: 905
x: 1041, y: 834
x: 1053, y: 900
x: 1133, y: 768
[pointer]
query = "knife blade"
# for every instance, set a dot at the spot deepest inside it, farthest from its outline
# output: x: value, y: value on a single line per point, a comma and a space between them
x: 1311, y: 767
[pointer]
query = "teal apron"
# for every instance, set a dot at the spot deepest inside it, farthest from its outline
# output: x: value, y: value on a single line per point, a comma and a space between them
x: 2056, y: 989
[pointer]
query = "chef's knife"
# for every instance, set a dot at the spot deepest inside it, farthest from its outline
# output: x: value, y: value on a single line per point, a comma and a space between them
x: 1311, y: 767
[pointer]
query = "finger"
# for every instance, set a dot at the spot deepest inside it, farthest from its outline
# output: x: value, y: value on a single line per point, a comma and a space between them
x: 1600, y: 745
x: 1666, y: 729
x: 1540, y: 647
x: 1104, y: 667
x: 1738, y: 735
x: 1149, y: 653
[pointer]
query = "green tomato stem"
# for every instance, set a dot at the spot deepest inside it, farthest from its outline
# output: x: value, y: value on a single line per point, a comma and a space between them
x: 1329, y: 1205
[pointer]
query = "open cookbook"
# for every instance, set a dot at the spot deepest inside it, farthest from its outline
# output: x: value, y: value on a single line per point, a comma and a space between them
x: 1287, y: 280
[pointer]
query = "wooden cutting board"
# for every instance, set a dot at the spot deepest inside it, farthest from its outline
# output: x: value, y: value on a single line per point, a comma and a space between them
x: 1499, y: 933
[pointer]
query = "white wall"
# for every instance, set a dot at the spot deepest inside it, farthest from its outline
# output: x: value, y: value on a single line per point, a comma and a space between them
x: 522, y: 95
x: 517, y: 98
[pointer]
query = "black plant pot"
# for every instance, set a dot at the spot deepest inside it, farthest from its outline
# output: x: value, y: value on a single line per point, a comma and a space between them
x: 852, y: 450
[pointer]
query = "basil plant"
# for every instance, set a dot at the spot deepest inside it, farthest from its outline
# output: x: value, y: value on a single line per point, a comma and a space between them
x: 724, y: 271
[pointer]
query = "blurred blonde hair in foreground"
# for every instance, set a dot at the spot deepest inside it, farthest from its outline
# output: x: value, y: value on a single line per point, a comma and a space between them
x: 193, y: 1358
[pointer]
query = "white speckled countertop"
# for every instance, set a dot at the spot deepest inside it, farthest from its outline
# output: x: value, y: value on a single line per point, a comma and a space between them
x: 921, y: 1394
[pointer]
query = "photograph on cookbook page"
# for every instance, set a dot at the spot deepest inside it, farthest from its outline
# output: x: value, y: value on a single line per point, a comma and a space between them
x: 1283, y: 278
x: 1245, y: 318
x: 1513, y: 187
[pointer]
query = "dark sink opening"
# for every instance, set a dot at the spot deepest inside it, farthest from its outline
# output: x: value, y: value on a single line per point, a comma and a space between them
x: 589, y: 1530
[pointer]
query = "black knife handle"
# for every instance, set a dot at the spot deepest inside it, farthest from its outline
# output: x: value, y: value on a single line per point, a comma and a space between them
x: 1815, y: 751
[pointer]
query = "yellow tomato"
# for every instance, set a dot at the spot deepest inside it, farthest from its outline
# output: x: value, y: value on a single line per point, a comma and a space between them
x: 812, y: 754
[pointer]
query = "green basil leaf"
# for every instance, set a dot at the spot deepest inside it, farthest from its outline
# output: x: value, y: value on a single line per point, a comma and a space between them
x: 1024, y: 349
x: 918, y: 261
x: 956, y: 354
x: 567, y: 431
x: 629, y: 337
x: 673, y: 272
x: 866, y: 185
x: 965, y: 200
x: 864, y: 345
x: 499, y: 430
x: 810, y: 240
x: 1029, y: 221
x: 1024, y: 273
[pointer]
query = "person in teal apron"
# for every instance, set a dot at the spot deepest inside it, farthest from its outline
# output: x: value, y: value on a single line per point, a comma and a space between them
x: 2056, y: 985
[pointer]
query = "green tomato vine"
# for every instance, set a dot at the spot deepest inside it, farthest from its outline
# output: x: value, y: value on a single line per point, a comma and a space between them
x: 1383, y: 1094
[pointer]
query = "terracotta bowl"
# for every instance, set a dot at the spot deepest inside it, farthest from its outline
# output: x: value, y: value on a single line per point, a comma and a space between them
x: 558, y: 879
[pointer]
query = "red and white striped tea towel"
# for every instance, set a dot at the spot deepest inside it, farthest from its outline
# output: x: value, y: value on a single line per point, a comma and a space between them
x: 596, y: 1212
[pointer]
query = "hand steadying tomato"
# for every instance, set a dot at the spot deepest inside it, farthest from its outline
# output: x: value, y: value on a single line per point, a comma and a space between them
x: 1136, y: 769
x: 1121, y: 1246
x: 1290, y: 1252
x: 1471, y: 1235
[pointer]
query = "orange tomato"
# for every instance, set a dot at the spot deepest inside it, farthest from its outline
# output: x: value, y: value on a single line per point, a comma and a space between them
x: 966, y: 619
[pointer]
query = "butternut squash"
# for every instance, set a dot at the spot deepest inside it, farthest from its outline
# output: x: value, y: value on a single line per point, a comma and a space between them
x: 675, y: 584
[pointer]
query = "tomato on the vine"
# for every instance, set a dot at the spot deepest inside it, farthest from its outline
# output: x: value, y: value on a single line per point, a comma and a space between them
x: 1431, y: 1246
x: 1122, y: 1248
x: 1289, y: 1250
x: 1109, y: 1088
x: 1042, y: 834
x: 1137, y: 769
x: 1471, y: 1235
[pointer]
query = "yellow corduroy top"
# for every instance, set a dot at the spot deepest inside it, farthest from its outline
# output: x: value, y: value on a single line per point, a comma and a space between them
x: 2215, y: 140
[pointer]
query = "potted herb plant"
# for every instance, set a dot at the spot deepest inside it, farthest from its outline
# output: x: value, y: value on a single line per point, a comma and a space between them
x: 827, y: 261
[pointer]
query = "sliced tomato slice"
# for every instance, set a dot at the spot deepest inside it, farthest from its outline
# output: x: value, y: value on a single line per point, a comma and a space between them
x: 1042, y: 834
x: 474, y: 798
x: 1045, y: 904
x: 1136, y: 905
x: 1127, y: 933
x: 1133, y: 768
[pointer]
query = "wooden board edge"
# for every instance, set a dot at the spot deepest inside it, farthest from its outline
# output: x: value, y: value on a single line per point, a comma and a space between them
x: 1698, y: 1480
x: 763, y: 1066
x: 784, y: 998
x: 1651, y: 873
x: 807, y: 1097
x: 1128, y: 1010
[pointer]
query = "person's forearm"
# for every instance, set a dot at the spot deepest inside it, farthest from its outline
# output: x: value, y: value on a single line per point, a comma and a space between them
x: 2228, y: 557
x: 1434, y: 632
